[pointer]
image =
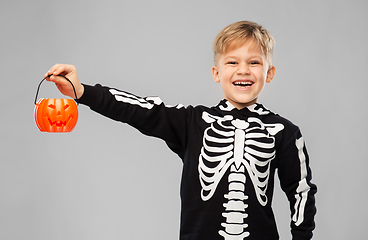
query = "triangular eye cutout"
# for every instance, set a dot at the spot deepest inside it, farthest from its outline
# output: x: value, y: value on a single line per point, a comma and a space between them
x: 66, y: 106
x: 52, y: 106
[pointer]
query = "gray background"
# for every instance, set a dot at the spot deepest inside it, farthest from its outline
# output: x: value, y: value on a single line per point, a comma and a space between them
x: 107, y: 181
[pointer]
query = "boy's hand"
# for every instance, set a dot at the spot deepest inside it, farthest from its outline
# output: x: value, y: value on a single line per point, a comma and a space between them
x: 62, y: 84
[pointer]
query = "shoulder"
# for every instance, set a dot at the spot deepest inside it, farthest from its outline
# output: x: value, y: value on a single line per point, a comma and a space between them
x: 272, y: 117
x: 290, y: 131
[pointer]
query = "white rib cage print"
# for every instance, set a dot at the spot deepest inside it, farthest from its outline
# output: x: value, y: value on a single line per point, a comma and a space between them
x: 240, y: 146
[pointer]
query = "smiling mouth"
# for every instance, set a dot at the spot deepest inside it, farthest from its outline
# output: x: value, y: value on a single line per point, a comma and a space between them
x: 243, y: 83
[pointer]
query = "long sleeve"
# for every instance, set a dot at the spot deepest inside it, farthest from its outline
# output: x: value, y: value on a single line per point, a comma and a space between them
x: 295, y: 178
x: 149, y: 115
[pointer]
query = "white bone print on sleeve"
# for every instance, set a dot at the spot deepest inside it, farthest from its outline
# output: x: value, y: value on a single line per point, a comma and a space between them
x: 147, y: 102
x: 303, y: 188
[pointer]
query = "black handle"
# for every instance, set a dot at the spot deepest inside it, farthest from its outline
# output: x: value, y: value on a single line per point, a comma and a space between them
x: 39, y: 85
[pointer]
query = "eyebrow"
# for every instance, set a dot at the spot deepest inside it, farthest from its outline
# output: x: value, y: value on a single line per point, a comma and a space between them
x: 249, y: 57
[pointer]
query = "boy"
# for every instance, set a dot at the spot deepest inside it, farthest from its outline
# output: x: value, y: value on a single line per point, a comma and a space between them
x: 230, y: 151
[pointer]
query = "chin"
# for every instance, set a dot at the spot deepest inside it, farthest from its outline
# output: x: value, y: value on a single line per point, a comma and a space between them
x: 247, y: 102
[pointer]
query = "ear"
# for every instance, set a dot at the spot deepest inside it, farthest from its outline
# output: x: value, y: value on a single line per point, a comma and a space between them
x: 215, y: 74
x: 270, y: 74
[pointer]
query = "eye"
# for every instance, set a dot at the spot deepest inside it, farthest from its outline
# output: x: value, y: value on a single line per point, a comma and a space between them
x: 66, y: 106
x: 254, y: 63
x: 52, y: 106
x: 231, y: 63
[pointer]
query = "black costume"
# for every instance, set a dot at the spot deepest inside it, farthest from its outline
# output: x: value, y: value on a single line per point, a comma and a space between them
x: 229, y: 161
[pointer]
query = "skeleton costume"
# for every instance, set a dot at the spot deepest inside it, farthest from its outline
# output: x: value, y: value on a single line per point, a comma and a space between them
x: 229, y: 160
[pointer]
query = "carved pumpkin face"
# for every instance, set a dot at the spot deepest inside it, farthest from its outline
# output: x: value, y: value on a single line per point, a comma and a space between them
x: 56, y: 115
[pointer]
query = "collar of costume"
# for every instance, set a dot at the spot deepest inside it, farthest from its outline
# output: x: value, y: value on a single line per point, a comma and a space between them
x: 254, y: 109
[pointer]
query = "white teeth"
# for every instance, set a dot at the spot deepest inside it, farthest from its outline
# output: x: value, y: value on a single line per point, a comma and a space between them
x: 243, y: 83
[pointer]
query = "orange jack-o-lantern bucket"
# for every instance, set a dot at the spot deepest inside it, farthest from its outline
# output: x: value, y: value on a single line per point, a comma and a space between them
x: 56, y: 114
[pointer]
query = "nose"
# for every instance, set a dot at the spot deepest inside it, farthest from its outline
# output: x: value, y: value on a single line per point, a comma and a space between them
x: 243, y: 69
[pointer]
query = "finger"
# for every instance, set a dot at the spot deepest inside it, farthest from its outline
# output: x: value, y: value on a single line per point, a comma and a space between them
x: 59, y: 80
x: 50, y: 77
x: 64, y: 69
x: 51, y: 70
x: 47, y: 74
x: 57, y: 69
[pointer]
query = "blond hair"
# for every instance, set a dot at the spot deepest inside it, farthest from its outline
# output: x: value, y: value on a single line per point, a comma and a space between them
x: 238, y: 33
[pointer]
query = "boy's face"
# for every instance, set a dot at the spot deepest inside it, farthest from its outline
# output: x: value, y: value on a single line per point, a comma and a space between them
x: 242, y: 73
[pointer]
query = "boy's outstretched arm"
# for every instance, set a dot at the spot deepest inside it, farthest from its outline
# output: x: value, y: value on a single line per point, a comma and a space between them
x: 62, y: 84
